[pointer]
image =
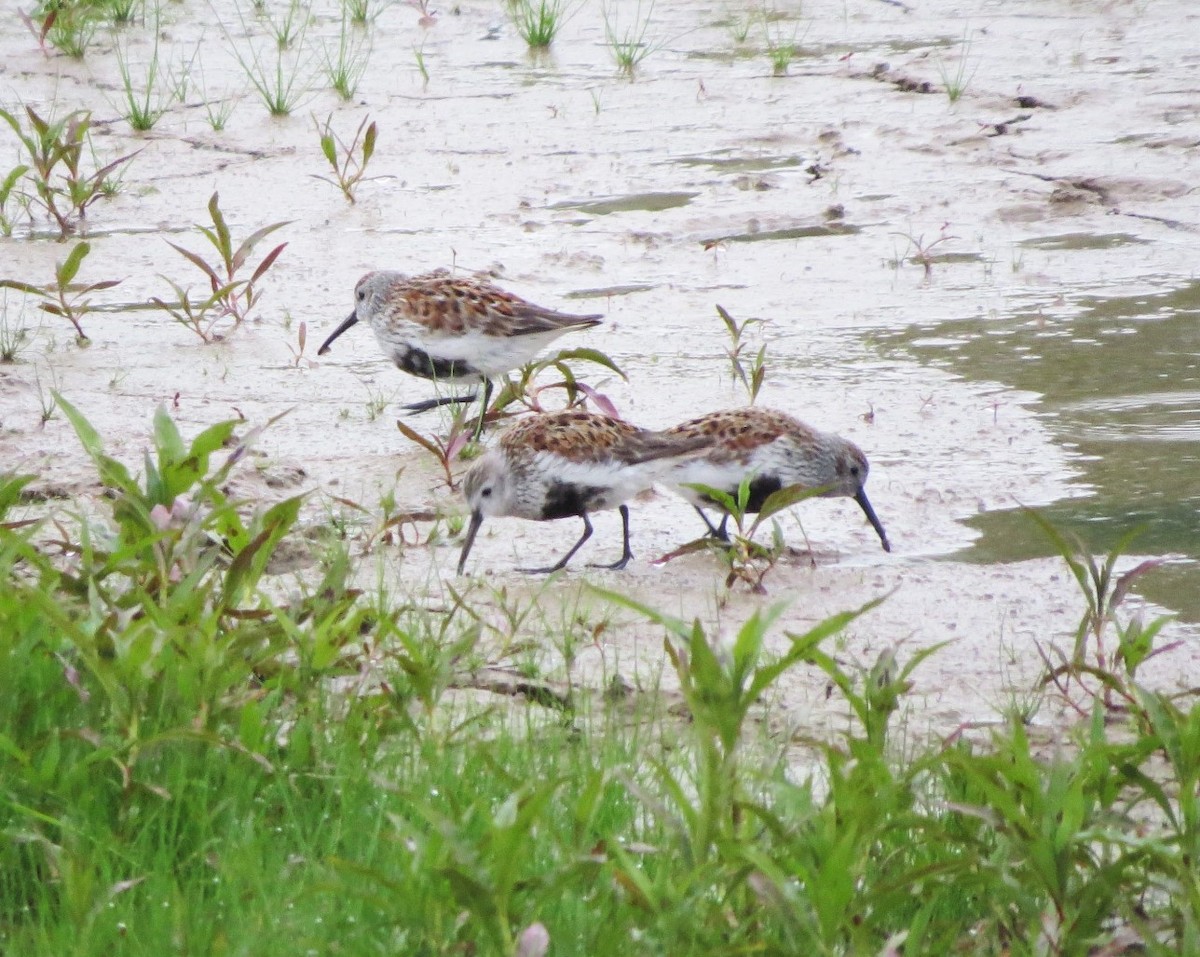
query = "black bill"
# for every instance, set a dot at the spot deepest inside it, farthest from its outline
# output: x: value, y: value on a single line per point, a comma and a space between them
x: 865, y: 504
x: 346, y: 324
x: 472, y: 529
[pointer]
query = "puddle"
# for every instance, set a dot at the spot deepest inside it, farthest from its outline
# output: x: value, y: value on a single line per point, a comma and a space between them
x: 643, y: 202
x: 740, y: 164
x: 1120, y: 377
x: 1083, y: 241
x: 792, y: 232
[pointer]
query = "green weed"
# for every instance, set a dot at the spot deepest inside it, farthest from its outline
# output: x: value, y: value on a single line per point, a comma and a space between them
x: 144, y: 103
x: 956, y: 80
x: 348, y: 168
x: 236, y: 296
x: 65, y: 297
x: 751, y: 374
x: 538, y: 21
x: 627, y: 43
x: 55, y: 151
x: 346, y: 64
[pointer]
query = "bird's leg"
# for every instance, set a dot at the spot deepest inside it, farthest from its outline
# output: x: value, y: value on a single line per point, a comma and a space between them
x: 562, y: 562
x: 416, y: 408
x: 626, y: 552
x: 483, y: 408
x: 713, y: 530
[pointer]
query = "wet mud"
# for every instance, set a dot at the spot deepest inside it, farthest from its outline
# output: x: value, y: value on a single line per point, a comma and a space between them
x: 993, y: 296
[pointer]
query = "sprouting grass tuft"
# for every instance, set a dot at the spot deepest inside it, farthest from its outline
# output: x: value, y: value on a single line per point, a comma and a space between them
x: 346, y: 61
x: 144, y: 102
x: 538, y: 21
x: 956, y: 79
x: 627, y: 42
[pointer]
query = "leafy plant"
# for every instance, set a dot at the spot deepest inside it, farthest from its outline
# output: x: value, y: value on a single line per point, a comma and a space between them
x: 65, y: 298
x: 236, y: 296
x: 753, y: 374
x: 55, y: 149
x: 198, y: 315
x: 348, y: 169
x: 525, y: 391
x: 1104, y: 592
x: 69, y: 25
x: 748, y: 561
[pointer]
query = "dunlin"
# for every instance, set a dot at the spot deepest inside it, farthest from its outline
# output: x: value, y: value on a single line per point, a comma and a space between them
x: 452, y: 329
x: 774, y: 451
x: 564, y: 464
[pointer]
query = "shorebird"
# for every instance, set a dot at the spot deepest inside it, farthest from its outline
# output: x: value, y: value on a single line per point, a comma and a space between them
x: 452, y: 329
x: 774, y: 451
x: 569, y: 464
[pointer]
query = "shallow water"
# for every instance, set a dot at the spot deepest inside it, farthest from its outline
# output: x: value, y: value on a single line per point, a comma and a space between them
x: 1119, y: 378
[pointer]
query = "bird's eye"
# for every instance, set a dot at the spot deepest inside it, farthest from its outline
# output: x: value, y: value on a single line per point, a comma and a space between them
x: 362, y: 294
x: 853, y: 469
x: 486, y: 492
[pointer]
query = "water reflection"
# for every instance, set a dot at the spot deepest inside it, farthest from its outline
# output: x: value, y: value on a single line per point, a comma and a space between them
x: 1121, y: 381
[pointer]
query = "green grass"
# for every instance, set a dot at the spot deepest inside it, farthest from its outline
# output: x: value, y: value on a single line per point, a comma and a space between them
x: 538, y: 21
x: 191, y: 764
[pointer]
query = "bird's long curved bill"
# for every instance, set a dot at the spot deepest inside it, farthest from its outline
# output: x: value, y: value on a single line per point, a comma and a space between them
x: 346, y: 324
x: 472, y: 529
x: 864, y: 503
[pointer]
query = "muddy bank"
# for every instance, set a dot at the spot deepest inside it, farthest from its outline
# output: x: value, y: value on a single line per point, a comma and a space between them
x: 849, y: 205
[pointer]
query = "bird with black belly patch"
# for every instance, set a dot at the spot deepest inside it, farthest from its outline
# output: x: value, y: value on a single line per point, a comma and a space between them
x: 453, y: 330
x: 567, y: 465
x: 773, y: 451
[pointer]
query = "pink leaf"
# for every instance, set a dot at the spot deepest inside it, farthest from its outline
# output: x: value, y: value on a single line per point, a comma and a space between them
x: 601, y: 401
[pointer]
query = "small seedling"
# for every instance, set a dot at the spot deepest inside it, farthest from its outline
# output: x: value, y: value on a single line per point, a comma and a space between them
x: 446, y: 450
x: 237, y: 296
x: 537, y: 21
x: 144, y: 104
x: 346, y: 63
x: 199, y: 316
x: 956, y: 80
x: 920, y: 253
x: 65, y: 298
x: 419, y: 56
x: 629, y: 46
x: 217, y: 109
x: 55, y: 150
x: 14, y: 335
x: 347, y: 167
x: 297, y: 350
x: 751, y: 375
x: 427, y: 17
x: 780, y: 50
